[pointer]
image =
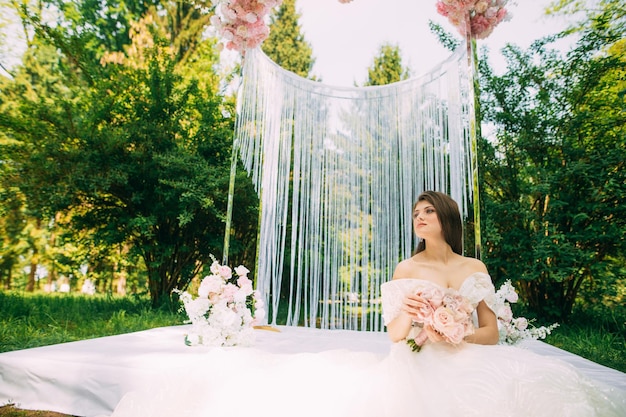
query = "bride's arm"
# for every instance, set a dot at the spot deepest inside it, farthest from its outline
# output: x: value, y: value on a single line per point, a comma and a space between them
x: 401, y: 325
x: 399, y: 328
x: 487, y: 331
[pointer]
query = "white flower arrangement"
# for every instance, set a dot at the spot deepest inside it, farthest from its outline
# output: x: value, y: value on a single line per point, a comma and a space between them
x: 515, y: 329
x: 226, y: 309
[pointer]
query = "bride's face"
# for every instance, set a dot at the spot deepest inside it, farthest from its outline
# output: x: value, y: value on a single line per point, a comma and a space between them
x: 425, y: 220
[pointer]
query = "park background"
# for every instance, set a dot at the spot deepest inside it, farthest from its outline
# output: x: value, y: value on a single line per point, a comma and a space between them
x: 116, y: 135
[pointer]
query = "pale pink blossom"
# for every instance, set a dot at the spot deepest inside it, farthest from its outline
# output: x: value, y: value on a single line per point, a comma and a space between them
x: 215, y: 267
x: 225, y: 271
x: 209, y: 285
x: 241, y: 23
x: 505, y: 313
x: 454, y: 333
x: 242, y: 271
x: 521, y: 323
x: 481, y: 6
x: 444, y: 316
x: 221, y: 314
x: 228, y: 292
x: 483, y: 15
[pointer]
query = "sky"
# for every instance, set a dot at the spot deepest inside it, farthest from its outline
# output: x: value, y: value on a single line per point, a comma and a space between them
x: 346, y: 37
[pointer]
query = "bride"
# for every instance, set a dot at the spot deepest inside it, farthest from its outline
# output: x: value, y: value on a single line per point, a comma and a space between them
x: 470, y: 377
x: 442, y: 361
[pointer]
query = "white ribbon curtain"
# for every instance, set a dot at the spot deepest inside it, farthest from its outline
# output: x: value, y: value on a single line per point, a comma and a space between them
x: 337, y: 171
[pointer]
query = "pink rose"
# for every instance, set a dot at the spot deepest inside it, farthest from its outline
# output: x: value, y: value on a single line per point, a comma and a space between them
x: 442, y: 9
x: 433, y: 294
x: 442, y: 318
x: 479, y: 25
x: 210, y: 284
x: 229, y: 292
x: 454, y: 333
x: 521, y: 323
x: 225, y: 271
x: 505, y: 313
x: 433, y: 335
x: 481, y: 6
x: 243, y: 280
x: 251, y: 17
x: 452, y: 301
x: 242, y: 271
x: 246, y: 288
x: 512, y: 296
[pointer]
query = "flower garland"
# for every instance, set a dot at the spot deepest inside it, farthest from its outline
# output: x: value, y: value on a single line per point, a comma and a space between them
x: 226, y: 309
x: 242, y: 23
x: 515, y: 329
x: 484, y: 15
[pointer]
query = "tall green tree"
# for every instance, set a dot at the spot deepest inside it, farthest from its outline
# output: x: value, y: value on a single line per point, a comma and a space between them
x: 387, y: 67
x: 286, y: 45
x: 554, y: 178
x: 130, y: 141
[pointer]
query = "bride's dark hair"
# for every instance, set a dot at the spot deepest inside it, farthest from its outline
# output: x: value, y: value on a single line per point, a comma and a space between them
x: 449, y: 216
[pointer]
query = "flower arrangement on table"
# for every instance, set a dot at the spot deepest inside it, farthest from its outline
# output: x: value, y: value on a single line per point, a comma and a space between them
x: 445, y: 315
x: 242, y: 23
x: 515, y: 329
x: 226, y: 309
x: 484, y: 15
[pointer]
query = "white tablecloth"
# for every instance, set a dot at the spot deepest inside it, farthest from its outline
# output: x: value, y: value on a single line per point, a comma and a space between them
x: 89, y: 377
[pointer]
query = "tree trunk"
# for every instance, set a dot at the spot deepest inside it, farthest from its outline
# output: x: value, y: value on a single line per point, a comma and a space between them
x: 30, y: 285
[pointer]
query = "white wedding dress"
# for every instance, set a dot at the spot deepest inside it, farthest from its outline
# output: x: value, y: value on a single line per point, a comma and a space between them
x: 440, y: 380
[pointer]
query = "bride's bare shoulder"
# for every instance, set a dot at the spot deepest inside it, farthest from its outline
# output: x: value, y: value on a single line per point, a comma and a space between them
x: 466, y: 267
x: 405, y: 269
x: 473, y: 265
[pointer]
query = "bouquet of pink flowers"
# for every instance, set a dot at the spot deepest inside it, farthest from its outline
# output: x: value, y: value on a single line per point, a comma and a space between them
x: 242, y: 23
x: 483, y: 15
x: 226, y: 309
x: 445, y: 315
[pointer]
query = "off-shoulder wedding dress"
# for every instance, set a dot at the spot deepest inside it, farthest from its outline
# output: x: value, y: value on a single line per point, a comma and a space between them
x: 440, y: 380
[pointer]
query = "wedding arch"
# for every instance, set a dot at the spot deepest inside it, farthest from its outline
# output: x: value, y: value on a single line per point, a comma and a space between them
x: 337, y: 170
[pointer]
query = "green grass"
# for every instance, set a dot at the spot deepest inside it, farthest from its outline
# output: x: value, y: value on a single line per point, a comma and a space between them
x: 31, y: 320
x: 600, y: 338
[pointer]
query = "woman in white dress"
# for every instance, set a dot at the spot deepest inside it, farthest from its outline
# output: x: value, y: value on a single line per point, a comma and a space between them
x: 468, y: 375
x: 454, y: 367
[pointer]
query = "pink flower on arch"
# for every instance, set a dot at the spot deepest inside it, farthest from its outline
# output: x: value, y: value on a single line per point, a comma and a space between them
x: 241, y: 23
x: 483, y: 15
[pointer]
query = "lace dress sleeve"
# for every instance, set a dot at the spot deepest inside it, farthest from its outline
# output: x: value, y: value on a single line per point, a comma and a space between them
x: 480, y: 288
x: 393, y: 293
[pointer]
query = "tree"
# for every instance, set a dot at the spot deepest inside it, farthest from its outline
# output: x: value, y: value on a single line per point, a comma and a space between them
x: 554, y: 179
x: 387, y: 67
x: 130, y: 142
x: 286, y: 45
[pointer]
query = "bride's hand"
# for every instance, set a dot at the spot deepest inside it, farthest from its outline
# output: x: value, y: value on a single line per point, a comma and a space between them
x: 412, y: 306
x: 433, y: 335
